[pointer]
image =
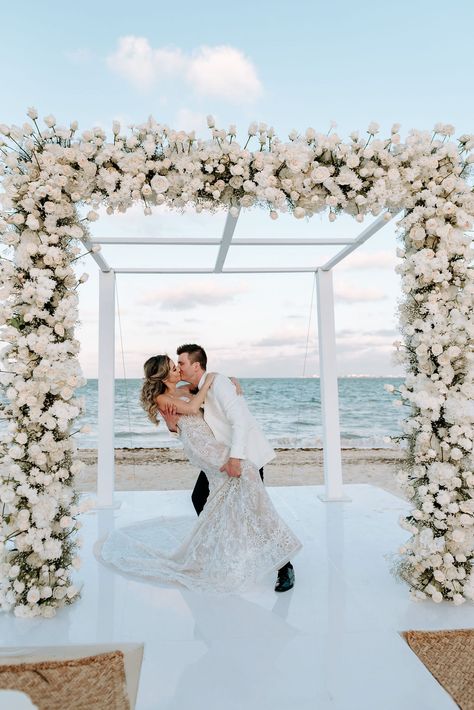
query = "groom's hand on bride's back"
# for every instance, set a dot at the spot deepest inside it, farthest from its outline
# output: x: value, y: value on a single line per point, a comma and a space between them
x: 232, y: 468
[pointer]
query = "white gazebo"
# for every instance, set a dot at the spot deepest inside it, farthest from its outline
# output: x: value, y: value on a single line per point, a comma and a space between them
x: 326, y: 333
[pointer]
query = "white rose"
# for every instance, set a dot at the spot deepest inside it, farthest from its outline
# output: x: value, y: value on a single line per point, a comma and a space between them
x: 50, y: 120
x: 33, y: 595
x: 320, y: 174
x: 160, y: 183
x: 32, y: 223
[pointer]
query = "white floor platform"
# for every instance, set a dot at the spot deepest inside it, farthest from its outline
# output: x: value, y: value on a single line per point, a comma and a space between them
x: 332, y: 642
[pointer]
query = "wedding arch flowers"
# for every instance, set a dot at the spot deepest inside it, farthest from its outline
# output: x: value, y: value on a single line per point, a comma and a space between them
x: 50, y: 173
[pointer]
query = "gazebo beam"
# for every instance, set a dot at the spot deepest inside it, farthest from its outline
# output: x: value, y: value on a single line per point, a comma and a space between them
x: 214, y: 241
x: 106, y: 390
x: 98, y: 258
x: 334, y: 490
x: 229, y: 270
x: 363, y: 236
x: 227, y: 234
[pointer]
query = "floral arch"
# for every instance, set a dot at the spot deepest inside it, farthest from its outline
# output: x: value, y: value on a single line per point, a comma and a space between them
x: 48, y: 172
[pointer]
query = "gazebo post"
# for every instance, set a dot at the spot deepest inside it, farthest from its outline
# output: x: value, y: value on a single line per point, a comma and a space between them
x: 106, y: 460
x: 328, y: 387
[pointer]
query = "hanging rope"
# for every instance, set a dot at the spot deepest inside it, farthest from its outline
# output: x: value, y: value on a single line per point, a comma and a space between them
x: 127, y: 402
x: 313, y: 289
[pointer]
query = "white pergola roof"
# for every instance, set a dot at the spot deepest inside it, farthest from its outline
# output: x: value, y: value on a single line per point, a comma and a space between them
x: 226, y: 241
x: 326, y: 333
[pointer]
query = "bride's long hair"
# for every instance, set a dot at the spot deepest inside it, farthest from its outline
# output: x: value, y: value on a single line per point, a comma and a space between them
x: 157, y: 369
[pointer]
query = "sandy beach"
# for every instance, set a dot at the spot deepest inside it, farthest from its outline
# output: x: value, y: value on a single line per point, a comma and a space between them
x: 167, y: 469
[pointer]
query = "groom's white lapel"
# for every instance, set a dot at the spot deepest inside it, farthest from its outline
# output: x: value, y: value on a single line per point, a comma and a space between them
x: 231, y: 422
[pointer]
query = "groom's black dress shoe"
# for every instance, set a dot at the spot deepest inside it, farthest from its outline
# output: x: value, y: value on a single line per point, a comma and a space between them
x: 286, y: 579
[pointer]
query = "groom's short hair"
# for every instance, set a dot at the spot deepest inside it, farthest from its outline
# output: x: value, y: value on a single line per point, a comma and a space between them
x: 195, y: 353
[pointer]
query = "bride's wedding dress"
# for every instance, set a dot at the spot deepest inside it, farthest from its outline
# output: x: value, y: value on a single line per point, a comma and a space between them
x: 238, y: 538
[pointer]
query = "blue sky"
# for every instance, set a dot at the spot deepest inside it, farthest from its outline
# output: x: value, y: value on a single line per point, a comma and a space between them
x: 291, y: 65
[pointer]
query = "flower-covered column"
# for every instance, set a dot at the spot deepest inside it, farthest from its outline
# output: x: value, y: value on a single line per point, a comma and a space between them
x: 437, y: 323
x: 40, y: 372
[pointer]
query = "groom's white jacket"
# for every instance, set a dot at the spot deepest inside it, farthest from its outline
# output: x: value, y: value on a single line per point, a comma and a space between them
x: 232, y: 423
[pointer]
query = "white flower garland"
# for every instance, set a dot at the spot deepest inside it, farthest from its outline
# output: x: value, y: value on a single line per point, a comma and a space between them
x: 48, y: 173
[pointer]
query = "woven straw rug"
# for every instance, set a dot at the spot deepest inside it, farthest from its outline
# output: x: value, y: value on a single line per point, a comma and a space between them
x: 449, y: 656
x: 92, y: 683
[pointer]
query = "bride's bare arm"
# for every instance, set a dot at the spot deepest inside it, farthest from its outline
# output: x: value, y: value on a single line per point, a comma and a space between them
x: 191, y: 407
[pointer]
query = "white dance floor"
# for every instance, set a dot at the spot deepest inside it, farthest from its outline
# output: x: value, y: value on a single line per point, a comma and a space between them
x: 332, y: 642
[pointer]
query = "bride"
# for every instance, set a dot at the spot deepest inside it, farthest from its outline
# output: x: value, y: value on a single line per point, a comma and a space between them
x: 238, y: 538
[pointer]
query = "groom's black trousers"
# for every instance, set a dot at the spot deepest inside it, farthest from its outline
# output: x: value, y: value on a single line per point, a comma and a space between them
x: 200, y: 495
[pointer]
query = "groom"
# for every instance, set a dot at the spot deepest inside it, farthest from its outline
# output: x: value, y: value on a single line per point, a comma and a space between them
x: 231, y: 422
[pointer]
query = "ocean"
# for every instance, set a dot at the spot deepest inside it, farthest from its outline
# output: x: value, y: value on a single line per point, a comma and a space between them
x: 289, y: 411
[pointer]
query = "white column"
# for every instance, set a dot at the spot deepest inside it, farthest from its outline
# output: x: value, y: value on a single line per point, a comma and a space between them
x: 328, y: 387
x: 106, y: 463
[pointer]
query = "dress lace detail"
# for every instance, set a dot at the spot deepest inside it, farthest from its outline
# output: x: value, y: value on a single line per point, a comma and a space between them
x: 238, y: 538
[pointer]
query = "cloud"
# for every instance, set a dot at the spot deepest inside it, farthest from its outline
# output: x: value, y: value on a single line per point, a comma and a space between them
x: 221, y: 71
x: 297, y: 340
x: 224, y: 72
x: 346, y: 339
x: 142, y: 65
x: 382, y: 332
x: 191, y: 295
x: 348, y: 293
x: 375, y: 260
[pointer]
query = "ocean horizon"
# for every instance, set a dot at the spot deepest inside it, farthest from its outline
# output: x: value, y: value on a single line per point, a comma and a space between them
x: 287, y: 408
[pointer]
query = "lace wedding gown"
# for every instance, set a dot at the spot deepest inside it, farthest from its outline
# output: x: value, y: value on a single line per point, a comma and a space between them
x: 238, y: 538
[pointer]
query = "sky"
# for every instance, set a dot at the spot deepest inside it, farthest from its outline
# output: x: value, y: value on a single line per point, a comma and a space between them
x: 290, y: 65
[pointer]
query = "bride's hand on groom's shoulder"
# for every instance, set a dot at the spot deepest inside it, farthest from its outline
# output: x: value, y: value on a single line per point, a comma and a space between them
x: 210, y: 377
x: 237, y: 385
